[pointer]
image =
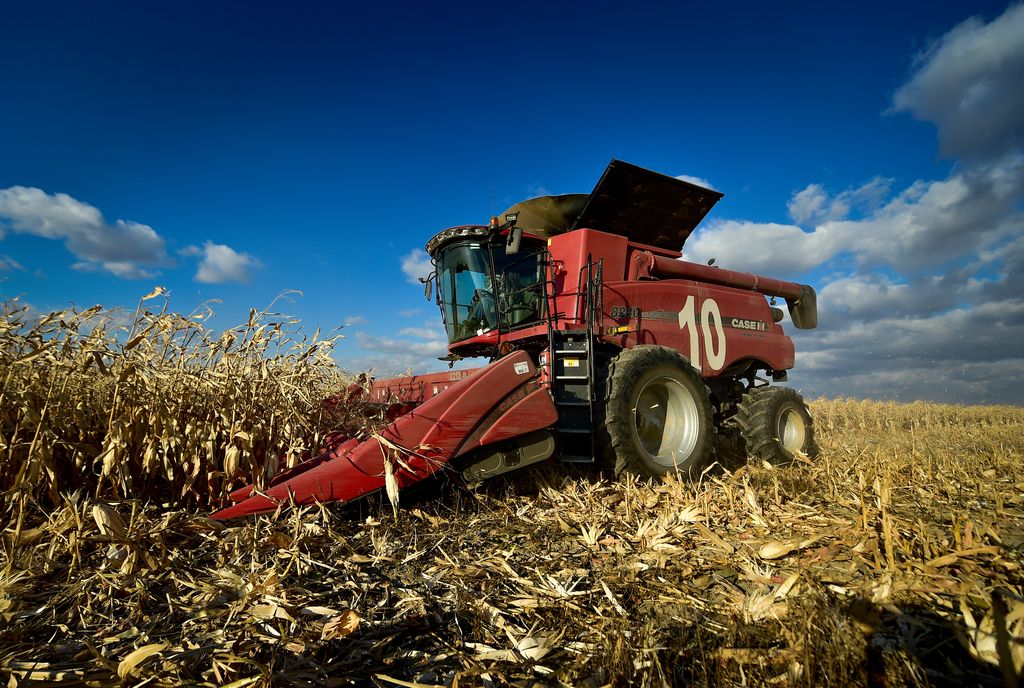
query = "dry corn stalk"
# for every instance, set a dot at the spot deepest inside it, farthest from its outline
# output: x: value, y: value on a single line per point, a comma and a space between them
x: 154, y: 404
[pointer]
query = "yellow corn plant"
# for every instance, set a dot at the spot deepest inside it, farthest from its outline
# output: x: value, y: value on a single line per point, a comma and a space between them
x: 158, y: 405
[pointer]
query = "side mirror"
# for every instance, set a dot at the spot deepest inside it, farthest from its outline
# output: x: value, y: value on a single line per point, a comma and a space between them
x: 515, y: 236
x: 428, y: 283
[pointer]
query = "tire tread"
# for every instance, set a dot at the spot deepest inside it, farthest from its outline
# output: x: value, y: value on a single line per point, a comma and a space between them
x: 623, y: 371
x: 754, y: 416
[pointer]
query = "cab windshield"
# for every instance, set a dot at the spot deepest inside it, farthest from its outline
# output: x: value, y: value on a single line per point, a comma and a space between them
x: 474, y: 300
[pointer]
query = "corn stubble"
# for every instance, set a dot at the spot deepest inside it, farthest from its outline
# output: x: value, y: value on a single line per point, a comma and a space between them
x: 892, y: 559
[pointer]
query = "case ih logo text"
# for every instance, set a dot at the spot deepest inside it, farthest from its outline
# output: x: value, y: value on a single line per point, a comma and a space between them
x: 741, y: 324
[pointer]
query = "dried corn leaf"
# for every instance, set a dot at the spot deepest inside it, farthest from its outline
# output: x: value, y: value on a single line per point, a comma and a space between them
x: 341, y: 626
x: 776, y: 550
x: 109, y: 521
x: 136, y: 657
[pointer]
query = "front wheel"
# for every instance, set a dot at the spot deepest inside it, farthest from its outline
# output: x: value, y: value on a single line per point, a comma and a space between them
x: 658, y: 416
x: 776, y: 425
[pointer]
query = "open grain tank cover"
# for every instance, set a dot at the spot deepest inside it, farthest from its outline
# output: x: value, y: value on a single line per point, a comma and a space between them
x: 645, y: 206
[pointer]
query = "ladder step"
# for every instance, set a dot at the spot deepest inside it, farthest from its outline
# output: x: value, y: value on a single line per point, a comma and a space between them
x: 576, y: 441
x: 572, y: 458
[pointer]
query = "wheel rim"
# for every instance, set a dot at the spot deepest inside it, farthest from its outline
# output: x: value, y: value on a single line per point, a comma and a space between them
x: 666, y: 421
x: 792, y: 430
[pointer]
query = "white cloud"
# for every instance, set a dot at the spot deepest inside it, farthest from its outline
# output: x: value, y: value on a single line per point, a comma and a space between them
x: 969, y: 85
x: 813, y: 204
x: 995, y: 331
x: 432, y: 345
x: 416, y: 264
x: 117, y: 247
x: 125, y: 249
x: 931, y: 222
x: 768, y: 248
x: 810, y: 203
x: 969, y: 354
x: 699, y: 181
x: 415, y: 349
x: 410, y: 312
x: 875, y: 297
x: 222, y: 263
x: 922, y: 228
x: 123, y: 270
x: 53, y: 216
x: 387, y: 365
x: 351, y: 320
x: 8, y: 264
x: 429, y: 333
x: 394, y: 355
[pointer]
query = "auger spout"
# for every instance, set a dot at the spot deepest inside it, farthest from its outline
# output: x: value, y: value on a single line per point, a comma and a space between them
x: 497, y: 403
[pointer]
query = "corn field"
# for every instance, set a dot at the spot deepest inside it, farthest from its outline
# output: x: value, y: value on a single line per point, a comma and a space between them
x: 154, y: 405
x: 894, y: 558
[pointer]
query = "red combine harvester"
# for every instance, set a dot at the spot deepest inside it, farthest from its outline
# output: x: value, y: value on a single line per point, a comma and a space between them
x: 606, y: 348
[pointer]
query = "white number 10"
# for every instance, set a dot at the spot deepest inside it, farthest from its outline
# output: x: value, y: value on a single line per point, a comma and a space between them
x: 709, y: 313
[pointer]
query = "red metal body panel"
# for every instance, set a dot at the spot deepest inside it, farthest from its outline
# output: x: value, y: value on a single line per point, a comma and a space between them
x: 430, y: 436
x: 534, y: 412
x: 415, y: 388
x: 339, y: 447
x: 715, y: 327
x: 569, y: 252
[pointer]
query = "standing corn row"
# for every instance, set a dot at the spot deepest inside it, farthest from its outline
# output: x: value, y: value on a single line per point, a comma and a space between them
x: 156, y: 405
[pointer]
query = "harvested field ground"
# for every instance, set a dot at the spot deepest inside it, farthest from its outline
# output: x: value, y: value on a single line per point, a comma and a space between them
x: 893, y: 559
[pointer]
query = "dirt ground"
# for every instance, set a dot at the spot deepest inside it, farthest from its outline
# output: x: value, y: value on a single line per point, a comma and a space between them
x: 894, y: 558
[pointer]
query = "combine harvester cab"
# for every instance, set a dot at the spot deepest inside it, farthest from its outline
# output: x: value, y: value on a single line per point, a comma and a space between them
x: 606, y: 348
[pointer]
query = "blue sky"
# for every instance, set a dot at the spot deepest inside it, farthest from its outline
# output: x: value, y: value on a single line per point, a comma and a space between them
x: 236, y: 150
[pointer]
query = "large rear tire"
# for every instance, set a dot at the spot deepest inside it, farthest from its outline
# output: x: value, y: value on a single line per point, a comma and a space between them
x: 775, y: 425
x: 658, y: 416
